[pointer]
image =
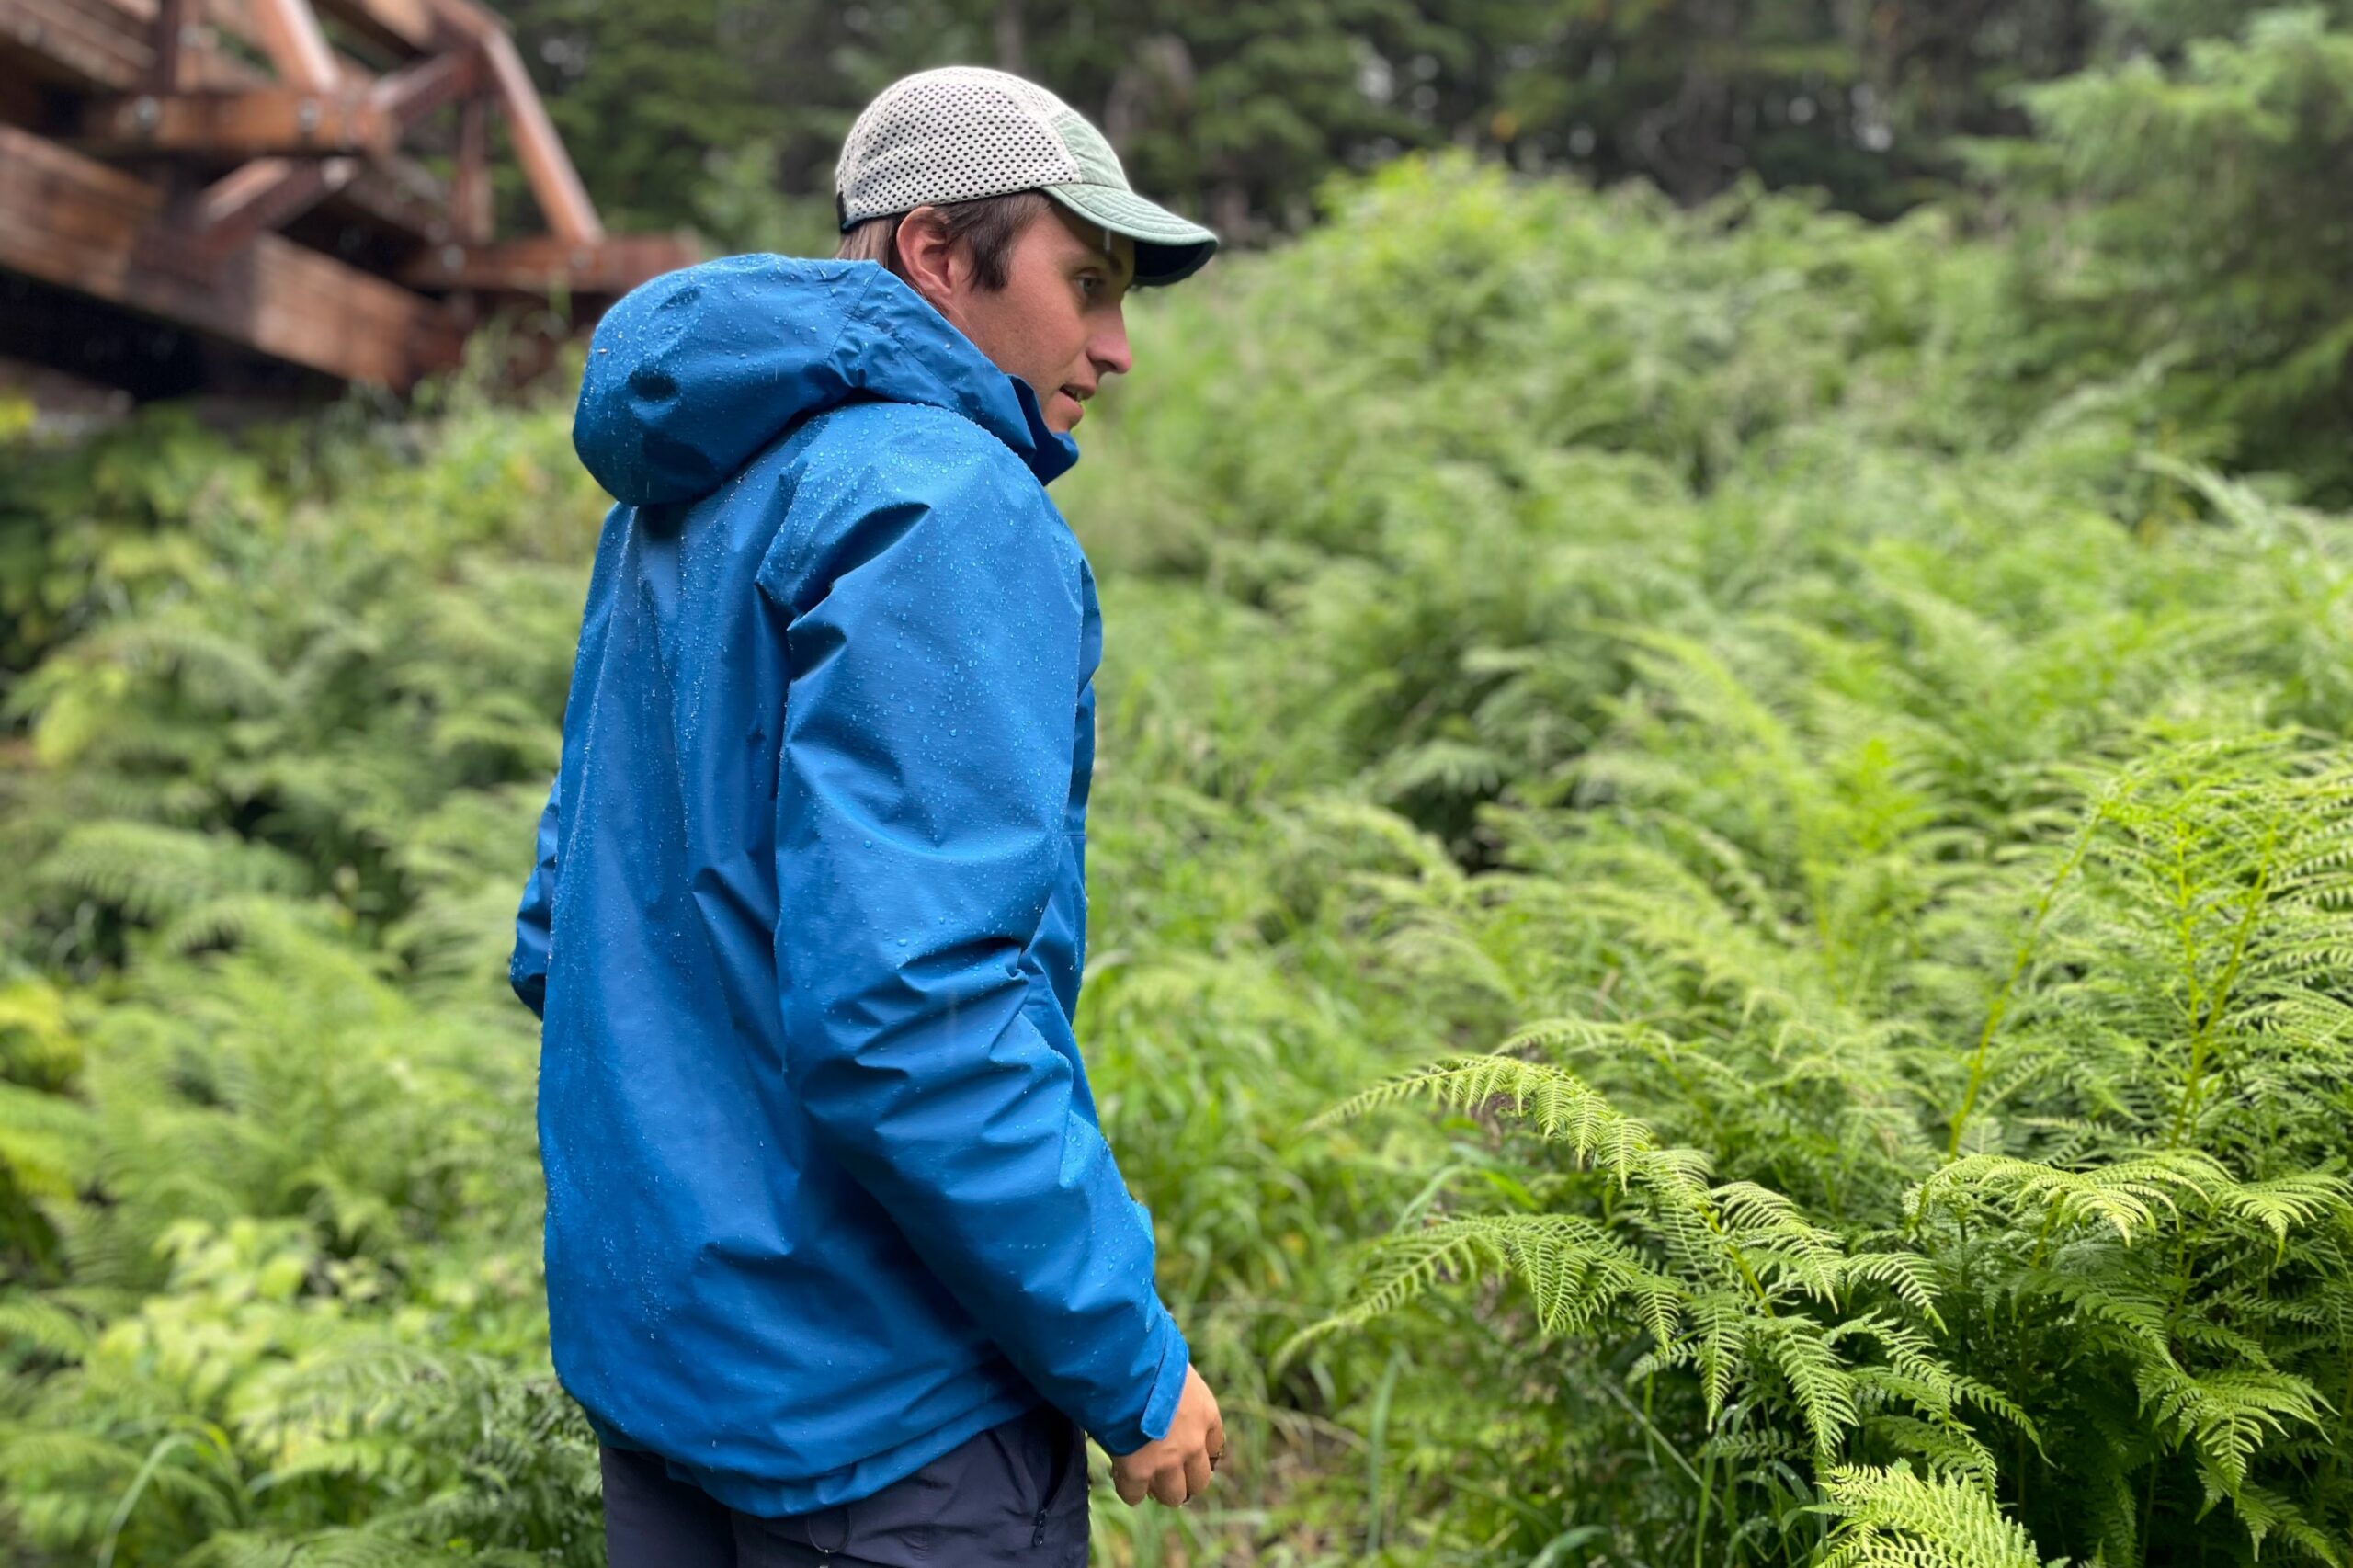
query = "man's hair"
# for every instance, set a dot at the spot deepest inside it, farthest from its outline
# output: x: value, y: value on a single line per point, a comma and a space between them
x: 986, y: 226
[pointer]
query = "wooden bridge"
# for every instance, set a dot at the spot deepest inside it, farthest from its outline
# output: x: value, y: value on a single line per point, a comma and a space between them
x: 250, y: 177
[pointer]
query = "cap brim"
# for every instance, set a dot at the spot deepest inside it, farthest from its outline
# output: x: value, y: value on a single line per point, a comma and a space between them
x: 1168, y: 248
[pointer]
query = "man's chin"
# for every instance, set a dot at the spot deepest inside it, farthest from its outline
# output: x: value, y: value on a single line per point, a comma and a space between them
x: 1063, y: 413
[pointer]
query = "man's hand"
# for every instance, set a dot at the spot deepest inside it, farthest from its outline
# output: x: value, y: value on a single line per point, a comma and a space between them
x: 1175, y: 1468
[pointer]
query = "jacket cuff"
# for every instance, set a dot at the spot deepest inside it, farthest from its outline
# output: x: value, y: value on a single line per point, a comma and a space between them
x: 1160, y: 1404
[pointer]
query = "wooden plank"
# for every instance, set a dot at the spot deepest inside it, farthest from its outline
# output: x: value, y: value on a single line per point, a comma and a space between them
x: 103, y: 46
x: 109, y: 46
x: 71, y: 221
x: 556, y: 184
x: 134, y: 16
x: 120, y: 44
x: 63, y: 43
x: 257, y: 122
x: 252, y: 123
x: 545, y: 263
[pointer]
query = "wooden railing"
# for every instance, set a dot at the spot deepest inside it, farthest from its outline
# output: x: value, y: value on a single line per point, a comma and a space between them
x: 168, y: 157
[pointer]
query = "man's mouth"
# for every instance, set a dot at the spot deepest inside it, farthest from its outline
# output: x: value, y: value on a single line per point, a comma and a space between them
x: 1078, y: 397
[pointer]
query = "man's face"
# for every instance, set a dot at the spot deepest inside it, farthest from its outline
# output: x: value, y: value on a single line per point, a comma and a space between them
x: 1056, y: 323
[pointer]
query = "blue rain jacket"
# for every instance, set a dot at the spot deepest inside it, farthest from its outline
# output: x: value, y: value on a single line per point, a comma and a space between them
x: 827, y: 1192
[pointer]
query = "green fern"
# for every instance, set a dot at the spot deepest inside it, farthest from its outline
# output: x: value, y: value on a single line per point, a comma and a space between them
x: 1889, y: 1517
x: 1892, y: 839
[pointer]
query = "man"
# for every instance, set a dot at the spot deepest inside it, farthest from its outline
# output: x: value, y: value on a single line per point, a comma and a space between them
x: 839, y: 1263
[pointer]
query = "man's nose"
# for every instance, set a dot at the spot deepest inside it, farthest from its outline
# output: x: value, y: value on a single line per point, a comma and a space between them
x: 1108, y: 349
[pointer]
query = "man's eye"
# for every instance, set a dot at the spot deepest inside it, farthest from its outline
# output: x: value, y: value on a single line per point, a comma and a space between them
x: 1093, y: 284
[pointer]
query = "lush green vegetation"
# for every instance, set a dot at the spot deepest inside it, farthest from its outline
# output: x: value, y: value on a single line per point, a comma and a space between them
x: 1719, y: 874
x: 728, y: 116
x: 710, y: 111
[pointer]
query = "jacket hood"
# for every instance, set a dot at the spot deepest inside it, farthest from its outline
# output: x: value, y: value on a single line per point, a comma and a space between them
x: 693, y: 373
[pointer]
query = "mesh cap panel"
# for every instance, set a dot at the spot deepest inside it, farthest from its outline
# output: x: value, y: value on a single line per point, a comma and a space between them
x: 962, y: 132
x: 954, y: 135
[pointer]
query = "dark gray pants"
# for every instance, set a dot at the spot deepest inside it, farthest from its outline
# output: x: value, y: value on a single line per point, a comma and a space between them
x: 1016, y: 1493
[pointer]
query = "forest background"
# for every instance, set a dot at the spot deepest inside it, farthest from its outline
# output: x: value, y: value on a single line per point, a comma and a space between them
x: 1720, y: 861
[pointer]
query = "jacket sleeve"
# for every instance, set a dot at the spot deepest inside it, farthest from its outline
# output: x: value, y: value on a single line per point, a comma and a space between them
x: 527, y: 968
x: 924, y: 779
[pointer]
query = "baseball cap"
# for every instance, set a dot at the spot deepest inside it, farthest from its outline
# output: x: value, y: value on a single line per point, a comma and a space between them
x: 964, y: 132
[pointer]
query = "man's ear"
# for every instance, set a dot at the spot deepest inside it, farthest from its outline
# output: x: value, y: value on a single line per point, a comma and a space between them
x: 928, y: 259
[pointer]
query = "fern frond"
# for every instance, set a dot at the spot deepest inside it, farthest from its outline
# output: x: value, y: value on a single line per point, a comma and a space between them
x: 2127, y: 1195
x: 1560, y: 1106
x: 153, y: 874
x: 1889, y: 1517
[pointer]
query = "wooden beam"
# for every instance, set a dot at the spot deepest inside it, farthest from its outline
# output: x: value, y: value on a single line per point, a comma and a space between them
x: 176, y: 34
x: 293, y: 38
x: 270, y: 192
x: 556, y: 184
x: 103, y: 46
x: 109, y: 46
x: 545, y: 263
x: 255, y: 197
x: 466, y: 17
x: 408, y: 95
x: 63, y: 44
x: 239, y: 19
x: 71, y: 221
x: 399, y: 196
x: 253, y: 123
x: 400, y: 26
x: 470, y: 191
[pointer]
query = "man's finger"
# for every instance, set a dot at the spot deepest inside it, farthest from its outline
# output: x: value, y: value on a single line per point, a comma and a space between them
x: 1128, y: 1485
x: 1197, y: 1472
x: 1168, y: 1485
